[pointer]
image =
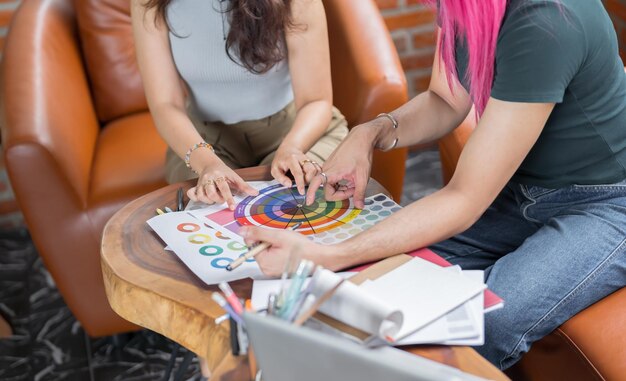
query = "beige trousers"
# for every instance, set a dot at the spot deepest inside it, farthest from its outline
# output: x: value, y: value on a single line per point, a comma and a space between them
x: 252, y: 143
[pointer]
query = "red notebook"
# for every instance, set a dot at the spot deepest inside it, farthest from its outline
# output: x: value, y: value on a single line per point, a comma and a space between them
x: 492, y: 301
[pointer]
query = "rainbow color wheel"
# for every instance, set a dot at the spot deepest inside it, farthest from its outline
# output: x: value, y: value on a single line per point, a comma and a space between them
x: 278, y: 207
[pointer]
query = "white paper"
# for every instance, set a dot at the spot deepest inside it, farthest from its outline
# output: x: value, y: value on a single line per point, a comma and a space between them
x: 476, y: 305
x: 423, y: 292
x: 202, y: 249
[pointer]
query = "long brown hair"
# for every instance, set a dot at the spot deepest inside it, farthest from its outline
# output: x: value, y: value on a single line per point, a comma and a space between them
x: 257, y: 30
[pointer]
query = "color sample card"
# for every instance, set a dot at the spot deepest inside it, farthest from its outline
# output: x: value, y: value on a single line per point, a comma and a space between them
x: 204, y: 250
x: 377, y: 208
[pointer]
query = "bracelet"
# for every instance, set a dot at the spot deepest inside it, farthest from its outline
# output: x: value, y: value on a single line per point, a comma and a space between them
x: 193, y: 148
x: 394, y: 124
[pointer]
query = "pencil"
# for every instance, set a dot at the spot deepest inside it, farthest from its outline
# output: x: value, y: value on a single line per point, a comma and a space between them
x: 252, y: 253
x: 159, y: 211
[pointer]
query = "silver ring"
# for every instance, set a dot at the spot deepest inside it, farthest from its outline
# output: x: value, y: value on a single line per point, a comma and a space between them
x: 325, y: 178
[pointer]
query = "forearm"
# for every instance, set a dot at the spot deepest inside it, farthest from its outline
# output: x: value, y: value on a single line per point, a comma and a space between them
x: 180, y: 134
x: 312, y: 120
x: 423, y: 119
x: 429, y: 220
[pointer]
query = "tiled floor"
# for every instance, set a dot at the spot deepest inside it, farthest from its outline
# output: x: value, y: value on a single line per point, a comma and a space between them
x: 49, y: 344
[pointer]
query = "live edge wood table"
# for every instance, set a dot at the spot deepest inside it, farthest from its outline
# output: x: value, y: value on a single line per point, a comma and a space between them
x: 152, y: 288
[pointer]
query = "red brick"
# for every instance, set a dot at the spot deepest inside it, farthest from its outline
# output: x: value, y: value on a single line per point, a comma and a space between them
x: 425, y: 39
x: 417, y: 61
x: 410, y: 19
x: 387, y: 4
x: 400, y: 43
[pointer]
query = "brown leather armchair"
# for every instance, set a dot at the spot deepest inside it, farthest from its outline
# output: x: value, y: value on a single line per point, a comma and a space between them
x: 591, y: 345
x: 79, y: 142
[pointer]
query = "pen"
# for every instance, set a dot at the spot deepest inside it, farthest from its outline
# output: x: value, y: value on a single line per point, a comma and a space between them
x: 179, y: 200
x: 159, y: 211
x: 271, y: 304
x: 231, y: 297
x: 295, y: 288
x: 252, y: 253
x: 219, y: 299
x: 168, y: 210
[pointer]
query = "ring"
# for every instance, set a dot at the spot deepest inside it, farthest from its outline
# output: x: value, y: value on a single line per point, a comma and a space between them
x: 221, y: 178
x: 303, y: 162
x: 208, y: 182
x: 325, y: 178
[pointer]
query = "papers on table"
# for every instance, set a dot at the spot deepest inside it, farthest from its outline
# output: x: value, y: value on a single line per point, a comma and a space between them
x: 436, y: 304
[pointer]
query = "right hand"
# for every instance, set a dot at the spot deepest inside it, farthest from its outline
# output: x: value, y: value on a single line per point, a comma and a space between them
x: 215, y: 183
x: 348, y: 168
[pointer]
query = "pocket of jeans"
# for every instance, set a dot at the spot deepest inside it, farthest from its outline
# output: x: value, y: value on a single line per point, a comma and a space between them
x: 619, y: 186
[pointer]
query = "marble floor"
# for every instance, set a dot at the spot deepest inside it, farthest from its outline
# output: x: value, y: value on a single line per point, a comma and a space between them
x: 48, y: 343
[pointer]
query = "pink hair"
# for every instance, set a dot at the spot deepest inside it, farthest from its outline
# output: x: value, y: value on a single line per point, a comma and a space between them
x: 477, y: 22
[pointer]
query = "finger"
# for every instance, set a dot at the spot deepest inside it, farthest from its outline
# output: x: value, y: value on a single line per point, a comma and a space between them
x: 226, y: 193
x: 191, y: 193
x: 310, y: 171
x: 241, y: 186
x: 211, y: 194
x: 296, y: 171
x: 280, y: 176
x: 339, y: 194
x: 315, y: 184
x: 359, y: 190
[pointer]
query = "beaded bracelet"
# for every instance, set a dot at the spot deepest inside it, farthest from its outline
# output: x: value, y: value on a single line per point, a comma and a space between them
x: 195, y: 147
x: 394, y: 124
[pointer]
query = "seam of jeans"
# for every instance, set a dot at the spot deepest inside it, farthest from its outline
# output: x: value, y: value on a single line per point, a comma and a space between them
x: 527, y: 205
x: 579, y: 287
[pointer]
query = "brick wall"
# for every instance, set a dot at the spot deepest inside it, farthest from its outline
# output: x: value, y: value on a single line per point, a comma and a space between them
x: 412, y: 28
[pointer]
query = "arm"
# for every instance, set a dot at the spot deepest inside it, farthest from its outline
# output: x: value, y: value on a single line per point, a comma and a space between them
x: 503, y: 138
x: 425, y: 118
x: 309, y: 66
x: 166, y: 100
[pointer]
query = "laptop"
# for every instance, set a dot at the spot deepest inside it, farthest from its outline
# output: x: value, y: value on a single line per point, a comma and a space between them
x: 285, y: 352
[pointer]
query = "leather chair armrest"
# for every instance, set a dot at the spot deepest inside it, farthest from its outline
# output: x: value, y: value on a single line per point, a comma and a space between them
x: 367, y: 76
x: 45, y: 100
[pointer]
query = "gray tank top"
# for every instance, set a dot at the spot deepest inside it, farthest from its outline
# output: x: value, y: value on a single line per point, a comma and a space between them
x: 219, y: 89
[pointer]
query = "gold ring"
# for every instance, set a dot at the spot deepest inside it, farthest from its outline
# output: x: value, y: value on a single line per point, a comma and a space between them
x: 303, y: 162
x: 221, y: 178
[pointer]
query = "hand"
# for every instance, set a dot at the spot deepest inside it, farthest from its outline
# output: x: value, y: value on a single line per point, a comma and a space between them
x: 284, y: 242
x: 347, y: 169
x: 215, y: 183
x: 300, y: 166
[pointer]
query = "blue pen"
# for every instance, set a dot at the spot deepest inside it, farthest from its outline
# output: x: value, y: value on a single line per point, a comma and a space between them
x: 295, y: 288
x: 219, y: 299
x: 297, y: 306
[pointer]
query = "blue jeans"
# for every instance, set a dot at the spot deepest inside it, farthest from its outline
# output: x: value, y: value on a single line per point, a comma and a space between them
x: 549, y: 253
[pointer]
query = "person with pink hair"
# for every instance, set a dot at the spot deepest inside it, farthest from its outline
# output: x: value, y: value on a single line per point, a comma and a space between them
x: 538, y: 199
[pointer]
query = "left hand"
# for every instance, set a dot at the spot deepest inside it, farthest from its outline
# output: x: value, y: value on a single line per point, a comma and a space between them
x: 284, y: 242
x: 296, y: 162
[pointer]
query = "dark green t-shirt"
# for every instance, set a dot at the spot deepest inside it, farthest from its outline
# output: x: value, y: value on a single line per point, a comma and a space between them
x: 564, y: 52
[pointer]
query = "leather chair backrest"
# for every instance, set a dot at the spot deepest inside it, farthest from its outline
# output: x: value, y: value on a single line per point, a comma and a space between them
x: 106, y: 37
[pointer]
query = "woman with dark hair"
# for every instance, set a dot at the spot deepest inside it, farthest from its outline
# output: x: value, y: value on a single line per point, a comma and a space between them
x: 538, y: 199
x: 238, y: 83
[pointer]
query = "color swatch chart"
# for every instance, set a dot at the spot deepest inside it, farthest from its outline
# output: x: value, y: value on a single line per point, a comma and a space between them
x: 205, y: 250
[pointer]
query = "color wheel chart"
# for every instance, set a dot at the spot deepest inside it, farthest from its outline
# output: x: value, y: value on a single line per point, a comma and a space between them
x: 278, y: 207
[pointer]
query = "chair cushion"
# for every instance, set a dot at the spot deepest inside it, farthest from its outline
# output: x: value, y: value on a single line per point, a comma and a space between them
x: 106, y: 36
x: 129, y: 161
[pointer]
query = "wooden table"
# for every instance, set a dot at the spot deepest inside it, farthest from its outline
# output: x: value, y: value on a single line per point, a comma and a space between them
x: 154, y: 289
